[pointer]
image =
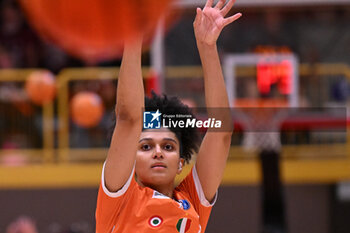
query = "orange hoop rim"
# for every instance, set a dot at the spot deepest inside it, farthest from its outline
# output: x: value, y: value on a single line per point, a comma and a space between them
x: 261, y: 103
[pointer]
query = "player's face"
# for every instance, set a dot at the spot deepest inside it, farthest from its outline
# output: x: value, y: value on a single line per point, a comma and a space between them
x: 157, y: 158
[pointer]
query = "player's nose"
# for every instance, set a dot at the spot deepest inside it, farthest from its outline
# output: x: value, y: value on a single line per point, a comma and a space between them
x: 158, y: 152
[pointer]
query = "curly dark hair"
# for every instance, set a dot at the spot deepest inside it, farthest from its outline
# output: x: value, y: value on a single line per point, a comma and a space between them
x: 189, y: 138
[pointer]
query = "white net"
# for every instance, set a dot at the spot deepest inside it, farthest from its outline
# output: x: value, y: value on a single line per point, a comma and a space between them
x: 261, y: 128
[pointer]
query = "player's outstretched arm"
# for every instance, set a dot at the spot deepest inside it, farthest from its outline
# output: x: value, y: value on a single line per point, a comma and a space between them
x: 130, y: 102
x: 212, y: 155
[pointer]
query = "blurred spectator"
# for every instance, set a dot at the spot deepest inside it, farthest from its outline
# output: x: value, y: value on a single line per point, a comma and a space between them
x: 79, y: 227
x: 75, y: 227
x: 21, y: 43
x: 107, y: 93
x: 304, y: 102
x: 53, y: 58
x: 340, y: 90
x: 94, y: 136
x: 18, y: 126
x: 5, y: 60
x: 23, y: 224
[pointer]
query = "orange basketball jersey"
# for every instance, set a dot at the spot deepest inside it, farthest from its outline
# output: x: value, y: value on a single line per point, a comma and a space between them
x: 144, y: 210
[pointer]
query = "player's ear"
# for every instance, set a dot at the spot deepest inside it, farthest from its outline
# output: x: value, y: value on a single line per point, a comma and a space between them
x: 181, y: 164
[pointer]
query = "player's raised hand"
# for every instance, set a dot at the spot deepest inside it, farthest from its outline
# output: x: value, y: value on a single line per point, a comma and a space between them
x: 210, y: 21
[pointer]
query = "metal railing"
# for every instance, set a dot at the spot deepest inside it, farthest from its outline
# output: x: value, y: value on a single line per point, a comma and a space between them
x: 46, y: 153
x: 64, y: 153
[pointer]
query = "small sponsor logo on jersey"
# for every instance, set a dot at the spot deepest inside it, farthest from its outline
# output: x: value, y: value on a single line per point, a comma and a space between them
x: 185, y: 204
x: 159, y: 195
x: 183, y: 225
x: 155, y: 221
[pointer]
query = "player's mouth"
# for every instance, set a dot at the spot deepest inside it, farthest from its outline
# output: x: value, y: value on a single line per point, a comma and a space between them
x: 158, y: 165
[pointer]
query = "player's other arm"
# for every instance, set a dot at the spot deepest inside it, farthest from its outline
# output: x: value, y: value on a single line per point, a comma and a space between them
x: 130, y: 102
x: 213, y: 152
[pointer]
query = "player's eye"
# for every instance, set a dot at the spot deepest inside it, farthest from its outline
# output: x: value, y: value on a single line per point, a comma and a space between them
x: 145, y: 147
x: 168, y: 147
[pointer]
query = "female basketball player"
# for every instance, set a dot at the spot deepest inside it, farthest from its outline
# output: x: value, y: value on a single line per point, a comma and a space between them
x: 137, y: 191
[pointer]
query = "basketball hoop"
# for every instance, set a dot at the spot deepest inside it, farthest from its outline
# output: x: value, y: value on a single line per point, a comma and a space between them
x: 261, y: 117
x: 261, y: 120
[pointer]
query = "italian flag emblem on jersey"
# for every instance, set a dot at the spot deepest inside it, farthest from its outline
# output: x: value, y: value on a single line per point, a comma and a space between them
x: 183, y: 225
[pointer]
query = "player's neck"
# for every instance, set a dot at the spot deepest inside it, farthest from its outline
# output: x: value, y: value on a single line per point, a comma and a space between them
x: 165, y: 189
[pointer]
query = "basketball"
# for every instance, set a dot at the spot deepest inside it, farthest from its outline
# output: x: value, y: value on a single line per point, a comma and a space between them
x: 41, y: 87
x: 94, y: 30
x: 87, y: 109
